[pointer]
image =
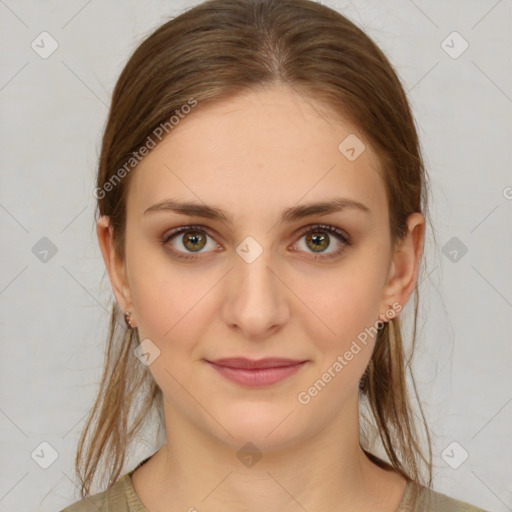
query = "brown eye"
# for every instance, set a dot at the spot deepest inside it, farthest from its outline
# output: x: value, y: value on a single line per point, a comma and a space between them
x: 318, y: 241
x: 318, y: 238
x: 193, y: 240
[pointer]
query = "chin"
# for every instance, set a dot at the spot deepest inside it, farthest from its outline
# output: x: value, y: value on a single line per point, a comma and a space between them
x: 268, y: 427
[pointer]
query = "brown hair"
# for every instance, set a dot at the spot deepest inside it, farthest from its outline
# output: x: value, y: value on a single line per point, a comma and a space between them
x: 214, y: 51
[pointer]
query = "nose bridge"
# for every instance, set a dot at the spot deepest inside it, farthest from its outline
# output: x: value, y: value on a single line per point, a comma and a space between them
x: 256, y: 299
x: 253, y: 270
x: 257, y: 277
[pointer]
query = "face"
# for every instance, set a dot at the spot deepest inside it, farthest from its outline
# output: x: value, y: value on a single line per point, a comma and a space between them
x: 253, y: 283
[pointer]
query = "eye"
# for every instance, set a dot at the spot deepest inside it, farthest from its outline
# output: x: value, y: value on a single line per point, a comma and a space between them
x: 194, y: 239
x: 318, y: 239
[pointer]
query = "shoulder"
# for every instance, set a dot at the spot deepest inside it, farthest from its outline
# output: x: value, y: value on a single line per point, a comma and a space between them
x: 94, y: 503
x: 428, y: 500
x: 120, y: 497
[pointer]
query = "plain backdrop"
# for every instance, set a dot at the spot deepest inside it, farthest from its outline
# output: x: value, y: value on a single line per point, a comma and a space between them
x: 55, y: 299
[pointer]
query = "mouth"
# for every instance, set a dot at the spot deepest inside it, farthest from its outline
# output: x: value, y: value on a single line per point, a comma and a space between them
x: 260, y: 373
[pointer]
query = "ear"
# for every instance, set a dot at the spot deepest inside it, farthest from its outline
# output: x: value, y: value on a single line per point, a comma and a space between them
x: 403, y: 271
x: 115, y: 266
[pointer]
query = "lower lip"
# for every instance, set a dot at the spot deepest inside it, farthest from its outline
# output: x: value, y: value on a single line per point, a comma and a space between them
x: 258, y: 377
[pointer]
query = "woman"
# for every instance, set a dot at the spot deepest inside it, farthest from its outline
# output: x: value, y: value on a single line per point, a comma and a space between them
x: 262, y: 211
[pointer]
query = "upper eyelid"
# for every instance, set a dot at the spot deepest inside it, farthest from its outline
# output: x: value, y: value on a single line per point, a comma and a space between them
x: 300, y: 231
x: 208, y: 229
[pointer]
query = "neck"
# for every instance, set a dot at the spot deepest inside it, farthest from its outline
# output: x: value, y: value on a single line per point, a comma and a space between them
x: 326, y: 470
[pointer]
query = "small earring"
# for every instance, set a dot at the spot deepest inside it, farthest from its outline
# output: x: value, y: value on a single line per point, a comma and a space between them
x: 128, y: 320
x: 384, y: 322
x: 392, y: 309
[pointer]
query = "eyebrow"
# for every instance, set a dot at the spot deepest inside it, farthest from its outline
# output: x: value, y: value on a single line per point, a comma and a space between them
x: 289, y: 215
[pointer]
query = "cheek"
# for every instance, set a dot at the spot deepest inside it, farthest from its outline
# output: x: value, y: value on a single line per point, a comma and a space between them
x: 167, y: 297
x: 342, y: 337
x: 168, y: 309
x: 340, y: 305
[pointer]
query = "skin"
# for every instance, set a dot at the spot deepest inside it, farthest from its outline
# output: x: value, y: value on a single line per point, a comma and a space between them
x: 253, y: 156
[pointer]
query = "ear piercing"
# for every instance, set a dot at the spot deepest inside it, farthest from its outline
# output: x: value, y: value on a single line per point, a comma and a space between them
x: 127, y: 319
x: 383, y: 322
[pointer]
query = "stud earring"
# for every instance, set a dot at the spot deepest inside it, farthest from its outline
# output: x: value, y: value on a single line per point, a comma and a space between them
x: 383, y: 319
x: 128, y: 320
x: 391, y: 309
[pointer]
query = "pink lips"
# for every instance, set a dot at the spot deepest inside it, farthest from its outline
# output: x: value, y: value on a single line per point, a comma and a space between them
x: 256, y: 373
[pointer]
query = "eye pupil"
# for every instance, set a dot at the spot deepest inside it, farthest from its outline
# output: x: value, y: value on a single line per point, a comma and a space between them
x: 194, y: 239
x: 320, y: 242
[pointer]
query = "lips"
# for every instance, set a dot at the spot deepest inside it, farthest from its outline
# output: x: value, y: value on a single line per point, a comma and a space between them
x: 256, y: 373
x: 253, y: 364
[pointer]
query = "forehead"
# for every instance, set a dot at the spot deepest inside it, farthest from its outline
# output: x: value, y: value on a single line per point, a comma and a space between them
x: 256, y: 150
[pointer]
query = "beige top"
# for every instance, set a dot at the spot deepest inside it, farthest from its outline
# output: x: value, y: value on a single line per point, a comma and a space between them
x: 121, y: 497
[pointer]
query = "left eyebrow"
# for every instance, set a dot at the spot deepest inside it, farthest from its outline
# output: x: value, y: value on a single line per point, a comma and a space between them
x: 291, y: 214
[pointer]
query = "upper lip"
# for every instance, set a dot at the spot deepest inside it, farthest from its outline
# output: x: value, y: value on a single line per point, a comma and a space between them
x: 267, y: 362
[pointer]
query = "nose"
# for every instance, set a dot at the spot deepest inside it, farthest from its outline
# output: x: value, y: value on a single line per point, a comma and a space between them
x: 257, y: 298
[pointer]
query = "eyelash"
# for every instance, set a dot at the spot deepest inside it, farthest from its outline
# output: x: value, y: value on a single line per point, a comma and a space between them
x: 317, y: 227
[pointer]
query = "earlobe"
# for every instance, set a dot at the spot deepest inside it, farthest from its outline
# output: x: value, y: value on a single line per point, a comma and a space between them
x: 115, y: 266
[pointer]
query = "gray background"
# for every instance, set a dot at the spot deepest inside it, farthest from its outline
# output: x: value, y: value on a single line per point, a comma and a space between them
x: 55, y: 312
